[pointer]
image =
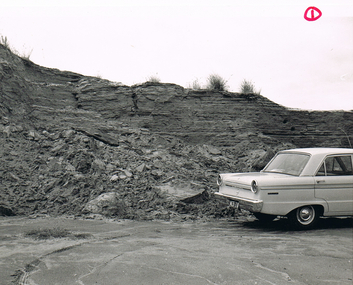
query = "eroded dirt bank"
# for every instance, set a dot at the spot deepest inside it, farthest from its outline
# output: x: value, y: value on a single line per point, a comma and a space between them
x: 239, y: 251
x: 66, y: 139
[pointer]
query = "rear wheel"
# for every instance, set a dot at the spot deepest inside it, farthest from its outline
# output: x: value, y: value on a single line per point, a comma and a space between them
x: 265, y: 218
x: 304, y: 217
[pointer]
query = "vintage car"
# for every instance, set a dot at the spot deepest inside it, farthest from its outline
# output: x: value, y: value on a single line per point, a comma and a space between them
x: 302, y: 184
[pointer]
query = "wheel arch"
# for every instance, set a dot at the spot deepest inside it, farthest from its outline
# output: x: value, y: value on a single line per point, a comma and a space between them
x: 319, y: 208
x: 305, y: 217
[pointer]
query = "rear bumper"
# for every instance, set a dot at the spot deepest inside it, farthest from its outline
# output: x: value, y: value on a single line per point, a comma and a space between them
x: 246, y: 204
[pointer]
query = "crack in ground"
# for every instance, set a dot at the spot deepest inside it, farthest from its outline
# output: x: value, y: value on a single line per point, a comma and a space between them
x: 96, y: 268
x: 283, y: 274
x: 21, y: 275
x: 183, y: 273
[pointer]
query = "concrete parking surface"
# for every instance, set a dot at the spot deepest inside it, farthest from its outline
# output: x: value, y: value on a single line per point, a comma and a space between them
x: 242, y: 251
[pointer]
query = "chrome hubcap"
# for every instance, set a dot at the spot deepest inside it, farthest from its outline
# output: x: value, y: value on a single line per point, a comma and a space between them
x: 306, y: 215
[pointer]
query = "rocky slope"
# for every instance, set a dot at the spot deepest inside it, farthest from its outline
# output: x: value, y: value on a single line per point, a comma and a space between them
x: 67, y: 139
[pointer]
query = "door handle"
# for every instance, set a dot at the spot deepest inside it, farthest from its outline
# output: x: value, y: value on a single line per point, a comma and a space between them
x: 320, y: 181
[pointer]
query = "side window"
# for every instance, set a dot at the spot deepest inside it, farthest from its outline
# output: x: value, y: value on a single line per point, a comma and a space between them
x: 346, y: 164
x: 321, y: 171
x: 336, y: 165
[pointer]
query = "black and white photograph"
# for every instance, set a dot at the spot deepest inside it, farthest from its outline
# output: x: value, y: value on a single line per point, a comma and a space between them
x: 163, y: 142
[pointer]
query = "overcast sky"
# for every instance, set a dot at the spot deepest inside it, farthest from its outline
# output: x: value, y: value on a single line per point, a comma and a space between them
x: 295, y: 62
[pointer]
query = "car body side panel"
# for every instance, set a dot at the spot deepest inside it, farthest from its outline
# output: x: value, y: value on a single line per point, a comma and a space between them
x: 283, y: 208
x: 337, y: 191
x: 289, y: 194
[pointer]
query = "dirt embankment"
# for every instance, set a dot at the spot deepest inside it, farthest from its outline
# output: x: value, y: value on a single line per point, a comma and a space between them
x: 67, y: 139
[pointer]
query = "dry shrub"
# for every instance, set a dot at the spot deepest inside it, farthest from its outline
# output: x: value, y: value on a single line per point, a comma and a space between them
x: 153, y: 79
x: 216, y: 82
x: 247, y: 87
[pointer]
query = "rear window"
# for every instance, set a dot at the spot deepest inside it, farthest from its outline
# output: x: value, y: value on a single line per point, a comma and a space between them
x: 288, y: 163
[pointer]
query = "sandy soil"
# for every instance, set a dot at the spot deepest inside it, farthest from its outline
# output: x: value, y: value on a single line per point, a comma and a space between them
x: 240, y: 251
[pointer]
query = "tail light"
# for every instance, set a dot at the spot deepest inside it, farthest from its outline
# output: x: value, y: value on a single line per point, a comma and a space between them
x: 219, y: 180
x: 254, y: 187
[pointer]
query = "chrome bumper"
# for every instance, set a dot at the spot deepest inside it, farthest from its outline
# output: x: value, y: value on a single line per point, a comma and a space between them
x: 246, y: 204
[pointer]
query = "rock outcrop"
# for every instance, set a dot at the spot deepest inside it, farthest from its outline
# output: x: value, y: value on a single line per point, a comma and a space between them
x: 50, y: 96
x: 68, y: 138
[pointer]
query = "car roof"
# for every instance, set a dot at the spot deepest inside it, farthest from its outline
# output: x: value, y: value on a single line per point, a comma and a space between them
x: 321, y: 150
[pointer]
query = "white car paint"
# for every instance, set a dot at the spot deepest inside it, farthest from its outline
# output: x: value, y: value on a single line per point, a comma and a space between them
x: 279, y: 194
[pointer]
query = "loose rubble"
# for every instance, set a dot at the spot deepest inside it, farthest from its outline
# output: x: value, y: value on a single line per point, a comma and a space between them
x: 63, y: 171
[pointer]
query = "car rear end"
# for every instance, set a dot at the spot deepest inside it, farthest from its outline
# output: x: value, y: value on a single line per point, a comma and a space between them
x: 241, y: 190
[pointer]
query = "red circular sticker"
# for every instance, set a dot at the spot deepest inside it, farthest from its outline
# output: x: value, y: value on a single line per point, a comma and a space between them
x: 312, y: 14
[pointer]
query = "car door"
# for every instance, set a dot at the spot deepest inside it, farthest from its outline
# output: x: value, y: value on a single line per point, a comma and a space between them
x: 334, y: 183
